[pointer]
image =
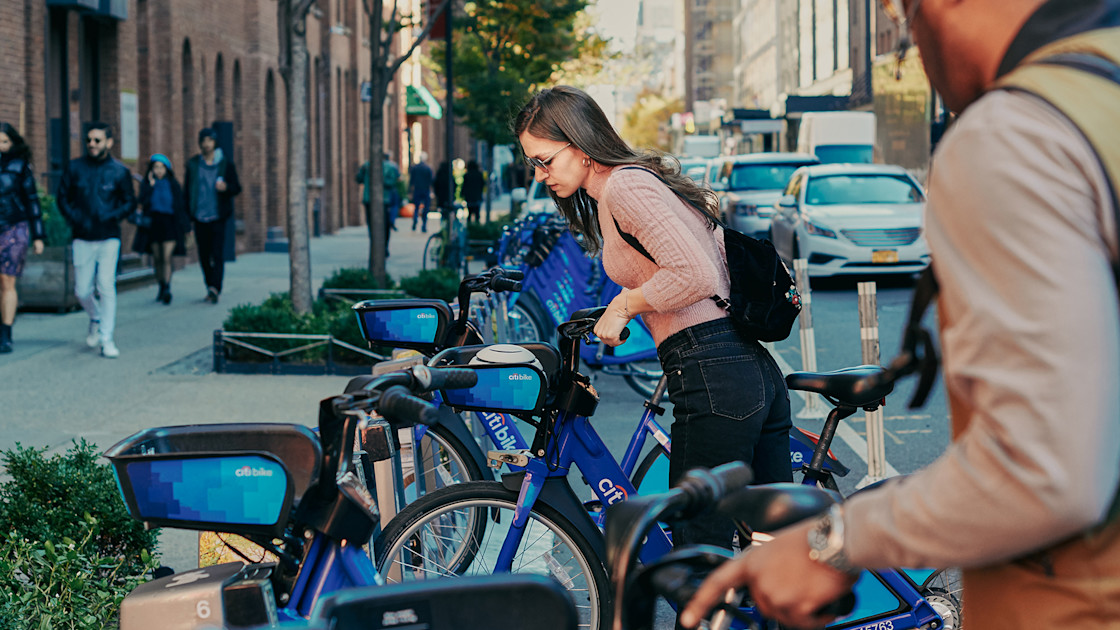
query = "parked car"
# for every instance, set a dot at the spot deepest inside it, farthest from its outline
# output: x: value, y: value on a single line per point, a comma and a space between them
x: 748, y: 185
x: 694, y: 167
x: 538, y: 199
x: 852, y: 219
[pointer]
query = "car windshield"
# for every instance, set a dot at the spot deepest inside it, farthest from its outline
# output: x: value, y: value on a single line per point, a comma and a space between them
x: 859, y: 189
x: 761, y: 176
x: 844, y: 153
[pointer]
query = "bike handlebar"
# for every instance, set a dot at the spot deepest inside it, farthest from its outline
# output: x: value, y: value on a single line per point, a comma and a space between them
x: 398, y: 402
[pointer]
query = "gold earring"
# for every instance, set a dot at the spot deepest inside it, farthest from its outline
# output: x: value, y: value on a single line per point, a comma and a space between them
x: 586, y: 161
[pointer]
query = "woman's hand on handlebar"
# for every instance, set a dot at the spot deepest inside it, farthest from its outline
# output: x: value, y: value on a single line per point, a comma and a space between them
x: 785, y: 584
x: 614, y: 320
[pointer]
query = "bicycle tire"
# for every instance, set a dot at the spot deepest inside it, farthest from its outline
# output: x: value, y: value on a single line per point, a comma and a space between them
x: 456, y: 464
x: 643, y: 380
x: 487, y: 505
x: 433, y: 251
x: 648, y: 462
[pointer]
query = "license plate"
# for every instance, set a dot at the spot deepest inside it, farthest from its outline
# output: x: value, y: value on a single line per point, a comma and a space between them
x: 884, y: 256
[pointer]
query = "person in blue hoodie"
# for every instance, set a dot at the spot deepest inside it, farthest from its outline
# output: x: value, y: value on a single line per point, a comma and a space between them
x: 165, y: 223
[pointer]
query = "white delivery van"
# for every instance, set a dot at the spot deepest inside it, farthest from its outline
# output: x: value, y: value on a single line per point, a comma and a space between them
x: 838, y: 137
x: 700, y: 146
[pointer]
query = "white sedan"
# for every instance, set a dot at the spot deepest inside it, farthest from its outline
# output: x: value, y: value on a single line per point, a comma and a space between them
x: 851, y: 219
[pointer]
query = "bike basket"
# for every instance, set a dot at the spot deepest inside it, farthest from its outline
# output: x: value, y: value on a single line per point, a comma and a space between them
x: 506, y: 388
x: 240, y: 478
x: 417, y: 324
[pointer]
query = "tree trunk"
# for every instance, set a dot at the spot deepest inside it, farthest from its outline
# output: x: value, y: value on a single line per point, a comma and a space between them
x: 375, y: 212
x: 299, y: 258
x: 325, y: 170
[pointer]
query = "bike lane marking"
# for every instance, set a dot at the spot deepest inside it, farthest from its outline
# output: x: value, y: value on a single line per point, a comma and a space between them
x: 844, y: 431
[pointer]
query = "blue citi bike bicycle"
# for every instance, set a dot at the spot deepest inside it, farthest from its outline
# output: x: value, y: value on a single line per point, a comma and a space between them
x: 301, y: 496
x: 531, y: 521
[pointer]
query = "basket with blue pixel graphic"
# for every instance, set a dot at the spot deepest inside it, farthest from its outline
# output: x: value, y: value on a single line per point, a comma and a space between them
x: 416, y: 324
x: 238, y: 477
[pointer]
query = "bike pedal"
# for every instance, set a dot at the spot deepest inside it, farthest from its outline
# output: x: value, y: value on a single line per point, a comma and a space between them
x: 513, y: 457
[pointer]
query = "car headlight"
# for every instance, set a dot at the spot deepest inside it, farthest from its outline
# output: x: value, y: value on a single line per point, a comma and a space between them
x: 817, y: 230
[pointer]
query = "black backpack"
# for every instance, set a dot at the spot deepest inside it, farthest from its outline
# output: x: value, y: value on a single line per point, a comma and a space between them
x: 764, y: 301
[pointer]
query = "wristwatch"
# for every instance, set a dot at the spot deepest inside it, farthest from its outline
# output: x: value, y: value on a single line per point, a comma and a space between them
x: 826, y: 541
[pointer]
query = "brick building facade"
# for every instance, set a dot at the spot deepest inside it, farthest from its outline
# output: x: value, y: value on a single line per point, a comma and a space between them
x: 160, y: 70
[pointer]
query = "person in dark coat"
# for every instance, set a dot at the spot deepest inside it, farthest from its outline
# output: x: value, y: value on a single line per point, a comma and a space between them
x: 474, y: 182
x: 445, y: 189
x: 165, y: 223
x: 420, y: 187
x: 94, y: 195
x: 209, y: 188
x: 21, y: 223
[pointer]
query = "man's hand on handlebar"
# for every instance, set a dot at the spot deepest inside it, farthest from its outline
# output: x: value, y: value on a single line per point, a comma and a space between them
x: 785, y: 584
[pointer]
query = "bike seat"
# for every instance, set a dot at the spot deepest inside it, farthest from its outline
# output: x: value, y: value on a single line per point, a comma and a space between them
x: 593, y: 312
x: 770, y: 507
x: 858, y: 386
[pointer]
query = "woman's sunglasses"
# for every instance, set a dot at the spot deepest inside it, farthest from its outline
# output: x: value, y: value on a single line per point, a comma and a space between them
x: 543, y: 164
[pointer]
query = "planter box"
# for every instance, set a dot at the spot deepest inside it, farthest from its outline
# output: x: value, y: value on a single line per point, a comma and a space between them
x: 48, y: 280
x: 282, y: 362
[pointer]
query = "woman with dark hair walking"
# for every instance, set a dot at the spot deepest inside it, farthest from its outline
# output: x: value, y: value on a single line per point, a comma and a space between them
x: 21, y: 223
x: 729, y: 397
x: 165, y: 226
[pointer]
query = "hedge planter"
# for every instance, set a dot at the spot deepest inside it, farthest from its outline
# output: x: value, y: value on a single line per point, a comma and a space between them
x: 48, y: 280
x: 289, y: 354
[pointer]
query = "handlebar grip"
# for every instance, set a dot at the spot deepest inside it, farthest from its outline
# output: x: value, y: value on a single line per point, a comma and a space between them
x: 705, y: 488
x: 512, y: 274
x: 398, y: 403
x: 625, y: 334
x: 453, y: 378
x: 502, y: 283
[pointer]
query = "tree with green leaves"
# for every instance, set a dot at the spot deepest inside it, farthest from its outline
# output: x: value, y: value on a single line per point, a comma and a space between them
x: 387, y: 22
x: 646, y: 123
x: 503, y: 50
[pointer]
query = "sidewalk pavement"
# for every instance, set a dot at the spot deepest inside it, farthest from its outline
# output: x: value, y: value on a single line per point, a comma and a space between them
x: 54, y: 389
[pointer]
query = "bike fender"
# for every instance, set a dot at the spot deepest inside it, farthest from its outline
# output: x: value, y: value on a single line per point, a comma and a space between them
x: 558, y: 495
x: 454, y: 423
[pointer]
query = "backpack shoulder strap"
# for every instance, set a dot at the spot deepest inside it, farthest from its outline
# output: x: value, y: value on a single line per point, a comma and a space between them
x: 1080, y: 77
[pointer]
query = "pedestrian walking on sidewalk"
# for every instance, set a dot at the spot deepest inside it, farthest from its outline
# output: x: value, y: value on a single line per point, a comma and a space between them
x: 474, y: 183
x: 21, y: 223
x: 164, y: 223
x: 94, y: 195
x: 420, y: 190
x: 445, y: 189
x: 209, y: 188
x: 390, y: 175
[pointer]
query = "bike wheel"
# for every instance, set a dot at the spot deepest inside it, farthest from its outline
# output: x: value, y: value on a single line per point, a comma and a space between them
x: 433, y: 252
x: 443, y: 460
x: 643, y: 376
x: 458, y: 530
x: 943, y: 591
x: 656, y: 460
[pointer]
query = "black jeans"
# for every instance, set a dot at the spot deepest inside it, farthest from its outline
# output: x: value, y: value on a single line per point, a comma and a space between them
x: 730, y: 403
x: 211, y: 240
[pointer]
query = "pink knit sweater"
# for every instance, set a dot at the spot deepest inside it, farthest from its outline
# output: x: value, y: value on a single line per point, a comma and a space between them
x: 690, y: 258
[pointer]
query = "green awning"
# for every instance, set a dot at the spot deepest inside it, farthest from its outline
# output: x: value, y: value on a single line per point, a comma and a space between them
x: 420, y: 102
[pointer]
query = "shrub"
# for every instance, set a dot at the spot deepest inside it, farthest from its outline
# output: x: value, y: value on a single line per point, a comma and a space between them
x: 488, y: 231
x: 48, y: 498
x: 69, y: 551
x: 54, y: 225
x: 68, y: 585
x: 355, y: 278
x: 441, y: 284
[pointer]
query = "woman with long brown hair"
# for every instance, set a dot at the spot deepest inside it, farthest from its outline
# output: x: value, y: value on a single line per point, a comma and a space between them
x: 729, y: 398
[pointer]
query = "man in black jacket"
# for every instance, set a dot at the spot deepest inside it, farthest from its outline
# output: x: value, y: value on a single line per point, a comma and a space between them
x: 209, y: 188
x: 95, y: 193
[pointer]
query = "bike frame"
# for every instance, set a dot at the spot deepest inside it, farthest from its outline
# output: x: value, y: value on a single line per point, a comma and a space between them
x: 328, y: 566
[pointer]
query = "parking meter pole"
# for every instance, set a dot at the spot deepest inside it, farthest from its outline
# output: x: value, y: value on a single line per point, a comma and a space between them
x: 869, y: 338
x: 813, y: 407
